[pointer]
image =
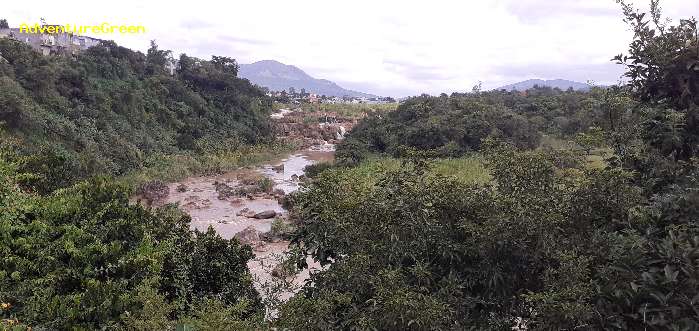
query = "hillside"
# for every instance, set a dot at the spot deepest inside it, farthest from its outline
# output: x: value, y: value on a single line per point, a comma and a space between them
x: 111, y: 110
x: 553, y: 83
x: 279, y: 77
x: 458, y: 125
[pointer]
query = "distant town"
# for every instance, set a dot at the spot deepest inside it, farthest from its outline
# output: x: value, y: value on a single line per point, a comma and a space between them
x: 292, y: 96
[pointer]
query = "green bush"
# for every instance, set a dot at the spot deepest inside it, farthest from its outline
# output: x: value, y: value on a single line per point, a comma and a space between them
x: 313, y: 170
x: 266, y: 184
x: 413, y: 249
x: 83, y: 256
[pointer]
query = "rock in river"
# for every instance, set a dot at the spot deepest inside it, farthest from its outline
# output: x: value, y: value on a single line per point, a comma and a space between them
x: 248, y: 235
x: 246, y: 212
x: 266, y: 214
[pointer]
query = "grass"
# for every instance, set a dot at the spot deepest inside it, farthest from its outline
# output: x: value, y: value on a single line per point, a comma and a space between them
x: 349, y: 110
x: 172, y: 168
x: 595, y: 160
x: 467, y: 169
x: 550, y: 142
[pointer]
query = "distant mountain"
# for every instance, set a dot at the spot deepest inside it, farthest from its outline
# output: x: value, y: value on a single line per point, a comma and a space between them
x: 279, y: 77
x: 554, y: 83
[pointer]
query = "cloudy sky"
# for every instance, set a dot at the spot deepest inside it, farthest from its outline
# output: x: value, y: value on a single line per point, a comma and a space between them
x: 393, y: 48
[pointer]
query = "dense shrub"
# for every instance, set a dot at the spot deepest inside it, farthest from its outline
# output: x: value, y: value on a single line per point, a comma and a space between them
x: 550, y: 242
x: 313, y: 170
x: 451, y: 126
x: 83, y: 256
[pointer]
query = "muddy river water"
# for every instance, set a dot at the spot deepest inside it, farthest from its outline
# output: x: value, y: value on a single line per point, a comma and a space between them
x: 201, y: 202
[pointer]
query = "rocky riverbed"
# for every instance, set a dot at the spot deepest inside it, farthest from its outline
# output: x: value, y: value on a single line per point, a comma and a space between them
x: 235, y: 204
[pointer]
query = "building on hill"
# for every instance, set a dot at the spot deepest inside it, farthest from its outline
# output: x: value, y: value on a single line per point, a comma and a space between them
x: 51, y: 43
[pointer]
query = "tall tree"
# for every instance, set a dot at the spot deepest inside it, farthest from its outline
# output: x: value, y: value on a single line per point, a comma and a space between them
x: 663, y: 70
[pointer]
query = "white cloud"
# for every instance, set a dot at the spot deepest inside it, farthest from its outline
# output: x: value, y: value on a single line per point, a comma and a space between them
x: 383, y: 47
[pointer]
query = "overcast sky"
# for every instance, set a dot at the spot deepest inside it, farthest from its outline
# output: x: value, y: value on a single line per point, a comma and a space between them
x: 395, y: 48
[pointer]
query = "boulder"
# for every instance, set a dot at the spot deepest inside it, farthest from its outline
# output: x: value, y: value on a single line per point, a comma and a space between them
x: 283, y: 270
x: 266, y: 214
x: 154, y: 191
x: 246, y: 212
x: 248, y: 235
x: 260, y: 247
x: 224, y: 191
x: 279, y: 168
x: 182, y: 188
x: 278, y: 193
x: 194, y: 202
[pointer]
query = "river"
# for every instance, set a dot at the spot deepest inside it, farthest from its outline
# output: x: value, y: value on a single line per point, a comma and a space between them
x: 199, y: 198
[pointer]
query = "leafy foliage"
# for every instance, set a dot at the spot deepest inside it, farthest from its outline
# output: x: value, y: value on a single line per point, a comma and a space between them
x: 549, y: 244
x: 108, y: 109
x: 663, y: 69
x: 451, y: 126
x: 415, y: 250
x: 83, y: 257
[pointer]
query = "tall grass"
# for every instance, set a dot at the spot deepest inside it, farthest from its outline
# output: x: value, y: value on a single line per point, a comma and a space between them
x: 467, y: 169
x: 349, y: 110
x: 175, y: 167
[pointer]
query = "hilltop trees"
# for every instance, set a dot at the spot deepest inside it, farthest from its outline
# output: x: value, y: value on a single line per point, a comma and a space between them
x: 455, y: 125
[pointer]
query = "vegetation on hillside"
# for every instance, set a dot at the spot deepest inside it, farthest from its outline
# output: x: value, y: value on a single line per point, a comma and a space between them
x: 111, y: 110
x: 551, y: 241
x: 76, y: 253
x: 449, y: 126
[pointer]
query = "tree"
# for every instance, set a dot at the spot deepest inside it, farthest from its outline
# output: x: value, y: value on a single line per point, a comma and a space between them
x: 4, y: 24
x: 157, y: 59
x: 593, y: 138
x: 225, y: 64
x: 414, y: 250
x: 663, y: 70
x: 86, y: 258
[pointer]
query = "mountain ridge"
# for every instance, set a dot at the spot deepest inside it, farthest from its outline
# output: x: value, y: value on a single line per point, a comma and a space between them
x: 278, y: 76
